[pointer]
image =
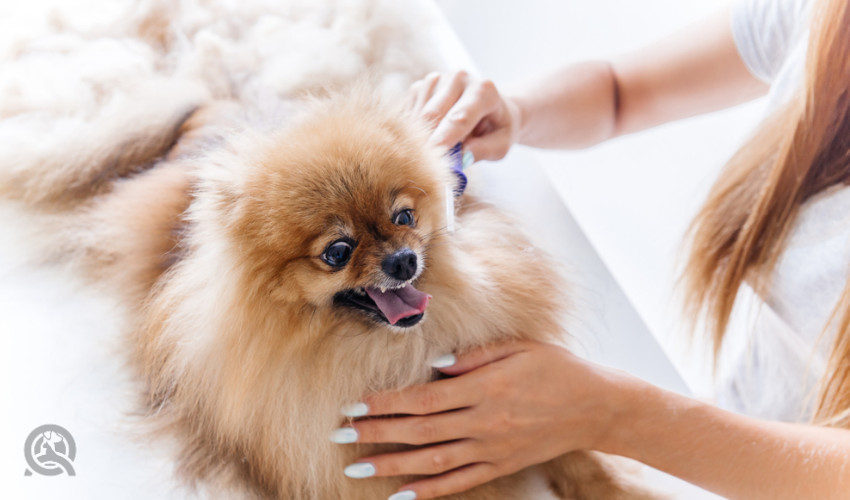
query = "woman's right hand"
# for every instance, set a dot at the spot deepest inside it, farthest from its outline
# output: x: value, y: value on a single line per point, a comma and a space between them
x: 463, y: 108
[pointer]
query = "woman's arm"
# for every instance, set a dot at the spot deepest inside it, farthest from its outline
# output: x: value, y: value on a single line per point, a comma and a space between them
x: 515, y: 405
x: 695, y: 71
x: 735, y: 456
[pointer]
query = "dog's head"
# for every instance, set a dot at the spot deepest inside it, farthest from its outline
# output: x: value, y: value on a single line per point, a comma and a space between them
x: 339, y: 209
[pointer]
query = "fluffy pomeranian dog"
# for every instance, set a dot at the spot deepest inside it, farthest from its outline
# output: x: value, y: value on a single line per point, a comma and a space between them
x: 275, y: 273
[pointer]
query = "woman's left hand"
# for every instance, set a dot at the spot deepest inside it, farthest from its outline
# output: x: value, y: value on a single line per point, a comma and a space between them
x: 508, y: 407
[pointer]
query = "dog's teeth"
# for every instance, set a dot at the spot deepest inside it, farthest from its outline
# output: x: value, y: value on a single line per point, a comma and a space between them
x: 383, y: 289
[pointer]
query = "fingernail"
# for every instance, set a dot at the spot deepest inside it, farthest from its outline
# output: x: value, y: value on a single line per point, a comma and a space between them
x: 360, y: 470
x: 403, y: 495
x: 468, y: 159
x: 345, y: 435
x: 355, y: 410
x: 444, y: 361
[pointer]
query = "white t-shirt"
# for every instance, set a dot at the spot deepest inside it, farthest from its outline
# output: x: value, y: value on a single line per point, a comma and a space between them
x: 775, y: 351
x: 772, y: 36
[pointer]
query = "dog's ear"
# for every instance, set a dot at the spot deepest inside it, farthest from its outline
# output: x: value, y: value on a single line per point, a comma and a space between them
x: 226, y: 158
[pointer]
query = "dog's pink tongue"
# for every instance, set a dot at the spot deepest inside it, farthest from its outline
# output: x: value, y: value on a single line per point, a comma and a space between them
x: 400, y: 303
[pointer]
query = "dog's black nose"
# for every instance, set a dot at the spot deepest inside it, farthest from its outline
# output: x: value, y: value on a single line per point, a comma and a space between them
x: 400, y: 265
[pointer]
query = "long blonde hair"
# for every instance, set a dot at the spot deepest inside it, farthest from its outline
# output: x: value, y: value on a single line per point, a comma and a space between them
x: 741, y: 230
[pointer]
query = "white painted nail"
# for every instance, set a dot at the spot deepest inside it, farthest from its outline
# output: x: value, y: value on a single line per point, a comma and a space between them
x: 360, y: 470
x: 345, y: 435
x: 355, y: 410
x: 444, y: 361
x: 403, y: 495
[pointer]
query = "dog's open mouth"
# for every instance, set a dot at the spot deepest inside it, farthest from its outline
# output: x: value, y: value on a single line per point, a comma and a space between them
x: 402, y: 307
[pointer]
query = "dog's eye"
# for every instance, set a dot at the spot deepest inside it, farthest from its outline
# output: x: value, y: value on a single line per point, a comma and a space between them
x: 338, y: 253
x: 404, y: 218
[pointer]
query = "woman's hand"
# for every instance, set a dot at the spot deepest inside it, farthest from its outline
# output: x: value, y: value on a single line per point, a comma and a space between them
x: 462, y: 108
x: 511, y: 406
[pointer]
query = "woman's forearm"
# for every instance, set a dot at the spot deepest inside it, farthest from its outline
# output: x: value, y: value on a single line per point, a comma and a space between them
x: 732, y: 455
x: 691, y: 72
x: 572, y: 107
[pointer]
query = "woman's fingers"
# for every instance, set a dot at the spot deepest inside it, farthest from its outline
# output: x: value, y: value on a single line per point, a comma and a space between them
x: 510, y: 406
x: 462, y: 108
x: 442, y: 395
x: 444, y: 96
x: 425, y: 461
x: 414, y: 430
x: 477, y: 102
x: 420, y: 92
x: 478, y: 357
x: 434, y: 397
x: 455, y: 481
x: 492, y: 146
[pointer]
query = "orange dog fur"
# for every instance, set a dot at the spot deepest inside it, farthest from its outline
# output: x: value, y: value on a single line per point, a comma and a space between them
x: 217, y: 249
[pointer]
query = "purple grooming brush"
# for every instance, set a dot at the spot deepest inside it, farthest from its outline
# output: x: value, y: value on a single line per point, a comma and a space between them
x: 456, y: 157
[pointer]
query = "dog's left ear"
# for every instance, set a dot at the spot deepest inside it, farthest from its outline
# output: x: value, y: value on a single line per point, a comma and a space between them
x: 226, y: 166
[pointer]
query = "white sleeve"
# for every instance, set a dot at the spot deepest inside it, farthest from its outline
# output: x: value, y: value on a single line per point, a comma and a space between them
x: 764, y: 32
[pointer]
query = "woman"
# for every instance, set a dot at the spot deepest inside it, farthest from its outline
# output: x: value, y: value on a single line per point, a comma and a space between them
x: 763, y: 226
